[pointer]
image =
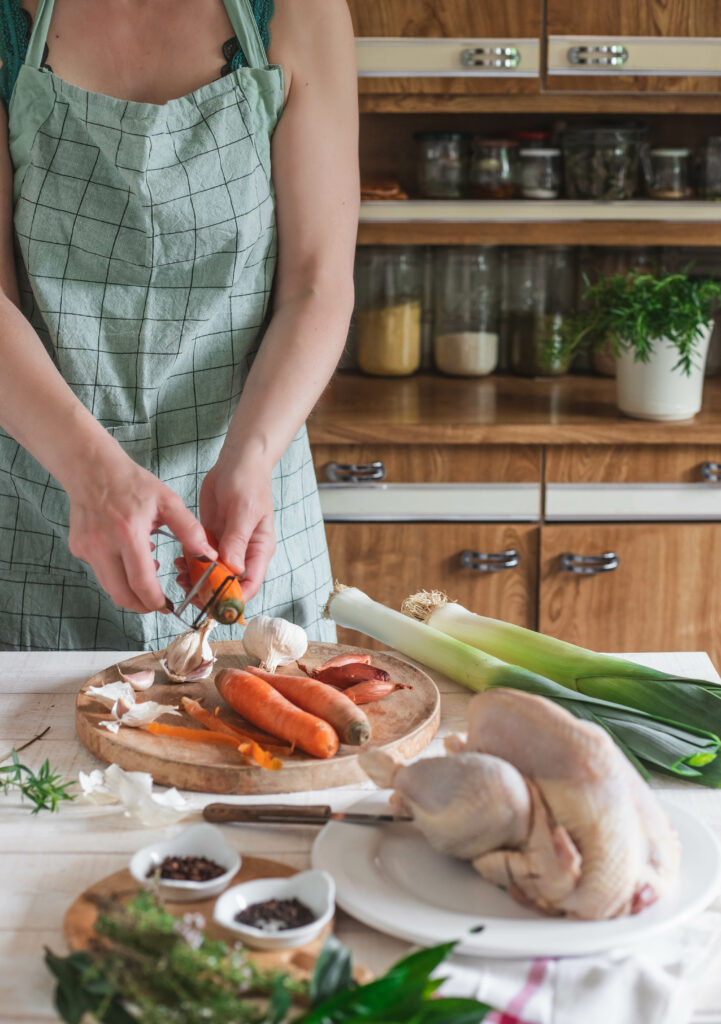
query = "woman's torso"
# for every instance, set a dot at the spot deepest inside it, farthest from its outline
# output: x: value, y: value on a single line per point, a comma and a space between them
x: 145, y: 52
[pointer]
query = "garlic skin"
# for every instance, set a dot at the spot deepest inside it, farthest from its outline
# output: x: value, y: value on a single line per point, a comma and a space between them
x: 274, y: 641
x: 190, y: 657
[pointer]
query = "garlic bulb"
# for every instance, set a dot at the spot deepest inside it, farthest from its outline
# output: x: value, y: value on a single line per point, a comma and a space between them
x: 274, y: 641
x: 190, y: 657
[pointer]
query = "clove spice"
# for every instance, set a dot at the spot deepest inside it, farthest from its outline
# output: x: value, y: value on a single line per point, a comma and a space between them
x: 187, y: 869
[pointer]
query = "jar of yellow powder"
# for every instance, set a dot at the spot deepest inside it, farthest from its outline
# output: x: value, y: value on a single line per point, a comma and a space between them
x: 389, y: 290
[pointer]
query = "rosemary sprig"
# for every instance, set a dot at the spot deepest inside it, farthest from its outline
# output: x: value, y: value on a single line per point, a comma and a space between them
x: 152, y: 968
x: 44, y: 788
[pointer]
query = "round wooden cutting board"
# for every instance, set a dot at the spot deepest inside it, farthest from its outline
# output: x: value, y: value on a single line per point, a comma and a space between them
x: 79, y: 923
x: 404, y: 722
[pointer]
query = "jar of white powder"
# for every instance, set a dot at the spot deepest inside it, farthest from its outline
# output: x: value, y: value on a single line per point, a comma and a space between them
x: 466, y: 310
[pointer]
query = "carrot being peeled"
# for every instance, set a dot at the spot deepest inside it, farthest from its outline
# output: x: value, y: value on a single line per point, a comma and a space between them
x: 227, y: 606
x: 258, y: 702
x: 320, y: 699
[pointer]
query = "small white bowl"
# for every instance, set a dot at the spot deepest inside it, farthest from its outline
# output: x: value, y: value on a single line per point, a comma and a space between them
x: 314, y: 888
x: 196, y: 841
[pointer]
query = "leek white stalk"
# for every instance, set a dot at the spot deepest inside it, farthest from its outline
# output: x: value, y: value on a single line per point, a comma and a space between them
x: 675, y: 698
x: 663, y: 742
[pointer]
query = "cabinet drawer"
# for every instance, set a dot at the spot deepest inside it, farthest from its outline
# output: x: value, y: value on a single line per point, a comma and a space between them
x: 591, y: 464
x: 390, y: 561
x: 400, y: 464
x: 657, y: 598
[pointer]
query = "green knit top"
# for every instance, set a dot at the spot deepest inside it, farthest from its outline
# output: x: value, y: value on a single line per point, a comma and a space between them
x: 15, y: 25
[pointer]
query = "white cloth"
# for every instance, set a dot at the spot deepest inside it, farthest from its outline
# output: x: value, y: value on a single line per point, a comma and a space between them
x: 652, y: 985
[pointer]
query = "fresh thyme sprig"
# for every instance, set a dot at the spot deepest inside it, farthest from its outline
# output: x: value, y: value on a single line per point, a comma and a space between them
x: 44, y: 788
x: 152, y: 968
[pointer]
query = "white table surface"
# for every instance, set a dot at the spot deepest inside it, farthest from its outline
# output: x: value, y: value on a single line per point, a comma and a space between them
x: 48, y: 859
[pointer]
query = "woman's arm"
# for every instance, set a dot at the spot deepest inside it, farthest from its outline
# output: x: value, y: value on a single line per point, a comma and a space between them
x: 315, y: 173
x: 114, y: 503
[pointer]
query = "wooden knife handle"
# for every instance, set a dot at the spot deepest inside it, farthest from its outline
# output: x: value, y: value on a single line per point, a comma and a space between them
x: 220, y: 813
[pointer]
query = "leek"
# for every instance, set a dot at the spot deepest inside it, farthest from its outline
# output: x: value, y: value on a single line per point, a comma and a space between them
x: 662, y: 743
x: 689, y: 702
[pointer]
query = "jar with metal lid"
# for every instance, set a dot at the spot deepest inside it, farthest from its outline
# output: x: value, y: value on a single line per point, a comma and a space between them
x: 389, y: 298
x: 536, y: 139
x: 466, y: 310
x: 541, y: 294
x: 540, y: 173
x: 492, y: 171
x: 708, y: 171
x: 603, y: 162
x: 442, y: 164
x: 670, y: 174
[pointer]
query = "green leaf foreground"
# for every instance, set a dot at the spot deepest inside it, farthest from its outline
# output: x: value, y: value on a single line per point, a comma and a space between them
x: 149, y: 967
x: 44, y: 789
x: 632, y: 311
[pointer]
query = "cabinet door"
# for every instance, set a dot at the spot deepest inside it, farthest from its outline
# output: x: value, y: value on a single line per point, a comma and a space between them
x: 401, y: 46
x: 390, y: 561
x: 663, y: 46
x: 661, y: 597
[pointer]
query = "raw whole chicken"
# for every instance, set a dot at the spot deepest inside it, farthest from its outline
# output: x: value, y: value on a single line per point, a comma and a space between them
x: 542, y: 804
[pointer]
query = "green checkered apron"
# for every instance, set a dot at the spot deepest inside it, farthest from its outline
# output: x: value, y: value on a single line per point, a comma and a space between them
x: 146, y: 253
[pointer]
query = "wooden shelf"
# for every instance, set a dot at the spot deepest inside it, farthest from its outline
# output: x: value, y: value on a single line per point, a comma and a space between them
x: 541, y: 103
x: 528, y: 222
x: 430, y: 409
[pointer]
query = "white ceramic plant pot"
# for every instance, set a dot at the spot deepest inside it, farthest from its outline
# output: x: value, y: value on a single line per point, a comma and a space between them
x: 655, y: 390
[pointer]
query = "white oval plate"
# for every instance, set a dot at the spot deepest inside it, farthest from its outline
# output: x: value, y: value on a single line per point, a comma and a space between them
x: 390, y: 878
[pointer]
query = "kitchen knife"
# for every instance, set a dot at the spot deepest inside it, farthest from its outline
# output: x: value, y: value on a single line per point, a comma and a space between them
x: 288, y: 814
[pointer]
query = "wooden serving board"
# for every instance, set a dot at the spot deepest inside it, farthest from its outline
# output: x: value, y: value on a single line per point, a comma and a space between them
x: 404, y: 722
x: 79, y: 923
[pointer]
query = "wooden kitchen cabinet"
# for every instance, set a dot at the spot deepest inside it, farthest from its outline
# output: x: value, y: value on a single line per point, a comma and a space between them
x: 680, y: 38
x: 390, y: 561
x: 593, y: 464
x: 467, y: 22
x: 428, y: 463
x: 661, y: 597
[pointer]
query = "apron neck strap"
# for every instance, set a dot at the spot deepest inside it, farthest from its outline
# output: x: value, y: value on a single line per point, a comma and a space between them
x: 39, y: 34
x: 242, y: 18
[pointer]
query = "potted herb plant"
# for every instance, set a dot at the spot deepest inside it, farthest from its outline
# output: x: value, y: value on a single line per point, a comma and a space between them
x: 658, y: 326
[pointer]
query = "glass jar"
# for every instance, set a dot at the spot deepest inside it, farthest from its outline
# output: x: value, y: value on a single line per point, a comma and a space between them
x: 389, y: 297
x: 709, y: 168
x: 442, y: 164
x: 541, y: 294
x: 670, y: 174
x: 466, y: 310
x: 540, y: 173
x: 540, y: 139
x: 492, y: 171
x: 603, y: 162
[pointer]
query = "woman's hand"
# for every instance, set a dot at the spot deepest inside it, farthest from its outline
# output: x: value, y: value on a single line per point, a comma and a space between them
x: 114, y: 509
x: 236, y: 505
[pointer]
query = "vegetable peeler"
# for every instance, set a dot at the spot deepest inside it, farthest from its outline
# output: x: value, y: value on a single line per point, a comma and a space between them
x: 196, y: 589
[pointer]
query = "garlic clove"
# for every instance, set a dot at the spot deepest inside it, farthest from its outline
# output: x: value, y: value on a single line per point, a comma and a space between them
x: 142, y: 680
x: 274, y: 641
x: 188, y: 654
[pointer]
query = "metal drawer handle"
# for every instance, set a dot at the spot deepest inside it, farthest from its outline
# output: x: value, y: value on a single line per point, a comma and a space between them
x: 494, y: 561
x: 711, y: 471
x: 609, y: 55
x: 352, y: 473
x: 490, y: 57
x: 590, y: 565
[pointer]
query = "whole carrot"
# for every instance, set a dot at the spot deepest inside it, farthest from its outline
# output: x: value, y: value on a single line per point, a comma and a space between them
x: 227, y: 606
x: 320, y: 699
x: 256, y: 700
